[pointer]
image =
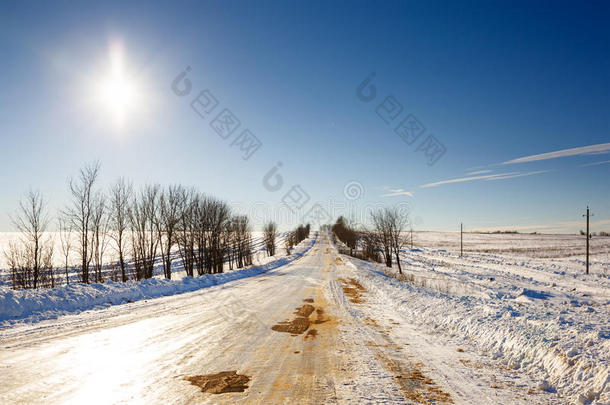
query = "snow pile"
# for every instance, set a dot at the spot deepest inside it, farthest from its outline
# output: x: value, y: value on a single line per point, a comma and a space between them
x: 41, y: 304
x: 558, y: 336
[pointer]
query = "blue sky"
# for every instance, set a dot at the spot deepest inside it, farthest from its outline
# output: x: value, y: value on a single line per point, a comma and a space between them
x: 492, y: 81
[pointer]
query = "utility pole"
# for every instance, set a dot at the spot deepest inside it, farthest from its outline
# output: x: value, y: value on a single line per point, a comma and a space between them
x: 588, y: 236
x: 461, y: 239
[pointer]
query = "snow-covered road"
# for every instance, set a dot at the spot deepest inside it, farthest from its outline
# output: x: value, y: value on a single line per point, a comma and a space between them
x: 356, y: 348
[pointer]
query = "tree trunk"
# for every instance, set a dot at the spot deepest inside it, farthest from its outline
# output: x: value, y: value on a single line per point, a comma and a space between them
x: 398, y: 261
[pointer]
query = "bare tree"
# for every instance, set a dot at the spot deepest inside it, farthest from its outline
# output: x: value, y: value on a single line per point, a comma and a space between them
x: 171, y: 210
x: 80, y: 213
x: 270, y: 233
x: 121, y: 194
x: 186, y: 236
x: 31, y: 260
x: 289, y: 242
x: 301, y: 233
x: 143, y: 218
x: 242, y: 240
x: 346, y: 233
x: 218, y: 215
x: 209, y: 234
x: 398, y: 226
x: 99, y: 235
x: 391, y: 225
x: 382, y: 235
x: 65, y: 238
x: 15, y: 261
x: 370, y: 245
x: 201, y: 228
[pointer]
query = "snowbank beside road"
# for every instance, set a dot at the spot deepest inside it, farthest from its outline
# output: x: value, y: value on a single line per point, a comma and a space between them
x: 563, y: 343
x: 41, y: 304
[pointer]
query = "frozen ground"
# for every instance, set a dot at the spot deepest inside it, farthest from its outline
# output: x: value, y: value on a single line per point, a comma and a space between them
x: 487, y: 328
x: 522, y: 244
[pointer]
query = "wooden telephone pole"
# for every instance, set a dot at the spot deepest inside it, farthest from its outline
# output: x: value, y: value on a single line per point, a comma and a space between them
x: 588, y: 236
x: 461, y: 239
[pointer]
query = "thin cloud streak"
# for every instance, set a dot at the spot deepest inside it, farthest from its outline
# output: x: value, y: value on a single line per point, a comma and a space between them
x: 519, y: 175
x: 603, y: 162
x: 478, y: 172
x: 584, y: 150
x: 499, y: 176
x: 394, y: 192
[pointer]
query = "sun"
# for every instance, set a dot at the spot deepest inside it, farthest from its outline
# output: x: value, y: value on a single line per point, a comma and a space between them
x: 116, y: 90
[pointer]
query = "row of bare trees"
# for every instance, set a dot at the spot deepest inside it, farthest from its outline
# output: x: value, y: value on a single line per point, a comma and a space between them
x: 387, y: 235
x: 142, y: 227
x: 296, y: 236
x: 345, y: 233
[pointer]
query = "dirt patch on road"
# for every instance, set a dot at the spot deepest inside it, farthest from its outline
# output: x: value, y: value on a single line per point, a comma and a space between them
x: 302, y: 321
x: 304, y: 311
x: 295, y: 327
x: 220, y: 383
x: 310, y: 300
x: 414, y: 384
x: 353, y: 289
x: 320, y: 317
x: 311, y: 333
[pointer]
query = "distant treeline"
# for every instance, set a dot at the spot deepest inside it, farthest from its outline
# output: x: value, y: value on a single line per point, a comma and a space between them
x: 502, y: 232
x: 602, y: 233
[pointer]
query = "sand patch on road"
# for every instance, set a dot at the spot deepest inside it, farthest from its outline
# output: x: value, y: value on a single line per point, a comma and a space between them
x: 305, y: 310
x: 295, y: 327
x: 302, y: 321
x: 311, y: 333
x: 414, y: 384
x: 220, y: 383
x: 353, y: 289
x: 320, y: 317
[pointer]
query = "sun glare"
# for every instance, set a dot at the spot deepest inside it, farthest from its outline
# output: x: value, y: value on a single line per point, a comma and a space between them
x: 116, y: 90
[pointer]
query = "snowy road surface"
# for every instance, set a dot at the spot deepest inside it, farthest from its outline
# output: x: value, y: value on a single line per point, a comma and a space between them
x: 355, y: 350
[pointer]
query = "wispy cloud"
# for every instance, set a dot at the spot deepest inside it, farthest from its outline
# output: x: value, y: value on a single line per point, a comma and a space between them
x: 603, y: 162
x: 488, y: 177
x: 513, y: 176
x: 478, y: 172
x: 395, y: 192
x: 584, y: 150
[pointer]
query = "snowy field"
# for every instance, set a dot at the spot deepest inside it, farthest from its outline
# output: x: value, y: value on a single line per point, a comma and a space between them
x: 530, y: 245
x: 522, y: 301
